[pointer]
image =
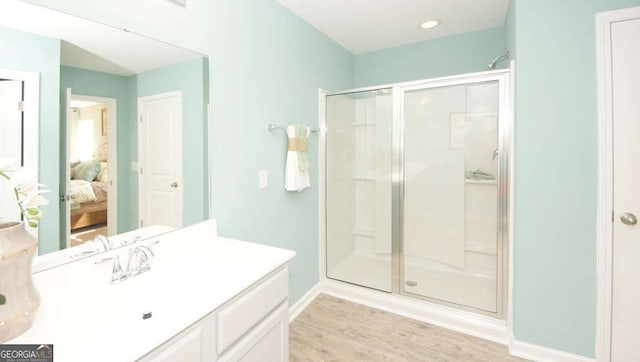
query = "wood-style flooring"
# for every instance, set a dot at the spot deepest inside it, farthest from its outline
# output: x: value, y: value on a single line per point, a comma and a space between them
x: 333, y: 329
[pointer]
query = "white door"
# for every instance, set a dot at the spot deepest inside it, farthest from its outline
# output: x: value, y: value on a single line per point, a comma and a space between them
x: 625, y: 316
x: 10, y: 143
x: 160, y: 159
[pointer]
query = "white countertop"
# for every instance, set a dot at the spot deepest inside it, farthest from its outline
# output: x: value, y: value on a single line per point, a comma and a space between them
x: 192, y: 273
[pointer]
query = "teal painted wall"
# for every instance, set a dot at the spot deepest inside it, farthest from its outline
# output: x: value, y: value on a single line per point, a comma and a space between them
x: 24, y: 51
x: 90, y: 83
x: 554, y: 300
x: 510, y: 29
x: 187, y: 77
x: 268, y: 72
x: 457, y: 54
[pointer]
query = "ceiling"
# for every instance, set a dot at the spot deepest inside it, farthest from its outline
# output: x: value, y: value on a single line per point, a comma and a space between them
x: 89, y: 45
x: 362, y: 26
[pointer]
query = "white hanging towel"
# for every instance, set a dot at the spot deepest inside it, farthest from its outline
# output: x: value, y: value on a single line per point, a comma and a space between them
x: 297, y: 169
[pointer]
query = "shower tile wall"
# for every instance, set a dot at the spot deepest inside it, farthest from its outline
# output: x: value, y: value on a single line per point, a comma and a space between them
x: 450, y: 219
x: 372, y: 176
x: 360, y: 185
x: 340, y: 210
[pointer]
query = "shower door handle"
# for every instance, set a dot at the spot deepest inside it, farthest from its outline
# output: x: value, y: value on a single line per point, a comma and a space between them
x: 628, y: 218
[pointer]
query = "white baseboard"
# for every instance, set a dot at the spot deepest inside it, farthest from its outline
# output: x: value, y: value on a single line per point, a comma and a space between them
x: 465, y: 322
x: 303, y: 302
x: 542, y: 354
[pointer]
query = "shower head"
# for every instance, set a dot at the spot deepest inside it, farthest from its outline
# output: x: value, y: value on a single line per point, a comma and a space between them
x: 493, y: 63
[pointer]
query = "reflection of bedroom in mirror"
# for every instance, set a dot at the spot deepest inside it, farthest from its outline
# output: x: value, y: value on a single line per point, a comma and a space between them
x: 89, y: 165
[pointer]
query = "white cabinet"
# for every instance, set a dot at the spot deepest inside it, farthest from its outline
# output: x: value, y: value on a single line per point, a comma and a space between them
x: 268, y: 341
x: 184, y: 347
x: 238, y: 316
x: 252, y: 326
x: 187, y: 348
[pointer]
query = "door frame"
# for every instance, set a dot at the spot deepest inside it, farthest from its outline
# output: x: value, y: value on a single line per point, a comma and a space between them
x: 112, y: 159
x: 31, y: 104
x: 604, y: 224
x: 30, y: 114
x: 503, y: 246
x: 142, y: 143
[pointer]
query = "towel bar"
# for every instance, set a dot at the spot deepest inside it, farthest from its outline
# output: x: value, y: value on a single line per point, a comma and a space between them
x: 272, y: 127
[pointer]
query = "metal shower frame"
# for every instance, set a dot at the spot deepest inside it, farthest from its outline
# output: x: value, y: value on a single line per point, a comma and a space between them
x: 397, y: 180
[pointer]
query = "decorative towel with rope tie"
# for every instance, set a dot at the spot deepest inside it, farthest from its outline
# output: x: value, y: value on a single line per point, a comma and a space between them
x: 297, y: 167
x: 297, y: 144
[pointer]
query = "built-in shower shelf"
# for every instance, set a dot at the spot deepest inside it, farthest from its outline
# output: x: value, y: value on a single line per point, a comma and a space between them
x: 481, y: 182
x: 365, y: 233
x: 361, y: 124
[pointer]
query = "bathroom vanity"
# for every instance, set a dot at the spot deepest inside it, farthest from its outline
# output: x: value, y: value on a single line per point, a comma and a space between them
x: 204, y: 298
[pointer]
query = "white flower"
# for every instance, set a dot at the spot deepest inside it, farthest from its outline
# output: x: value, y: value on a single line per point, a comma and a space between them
x: 27, y: 190
x: 25, y: 179
x: 34, y: 200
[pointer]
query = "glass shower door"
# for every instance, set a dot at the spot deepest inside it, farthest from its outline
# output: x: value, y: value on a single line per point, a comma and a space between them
x: 358, y: 187
x: 450, y: 195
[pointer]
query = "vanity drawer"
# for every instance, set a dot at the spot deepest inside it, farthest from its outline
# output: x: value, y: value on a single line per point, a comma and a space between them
x: 237, y: 318
x: 183, y: 348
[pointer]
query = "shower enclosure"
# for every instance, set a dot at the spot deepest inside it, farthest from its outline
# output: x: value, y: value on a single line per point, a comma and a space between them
x: 416, y: 189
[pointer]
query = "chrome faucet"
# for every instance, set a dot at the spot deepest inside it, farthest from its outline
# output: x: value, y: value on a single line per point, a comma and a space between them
x: 104, y: 241
x: 138, y: 260
x: 137, y: 264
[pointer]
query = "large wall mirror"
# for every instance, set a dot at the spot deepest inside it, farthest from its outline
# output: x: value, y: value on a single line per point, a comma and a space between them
x: 120, y: 125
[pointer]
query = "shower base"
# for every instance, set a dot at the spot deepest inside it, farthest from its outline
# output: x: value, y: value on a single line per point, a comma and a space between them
x: 466, y: 289
x: 365, y: 270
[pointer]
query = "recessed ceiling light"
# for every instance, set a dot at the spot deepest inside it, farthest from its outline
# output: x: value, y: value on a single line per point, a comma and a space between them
x: 430, y: 24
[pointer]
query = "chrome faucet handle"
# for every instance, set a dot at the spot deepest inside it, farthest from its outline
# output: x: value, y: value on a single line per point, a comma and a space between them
x: 140, y: 256
x: 104, y: 241
x: 146, y: 250
x: 116, y: 271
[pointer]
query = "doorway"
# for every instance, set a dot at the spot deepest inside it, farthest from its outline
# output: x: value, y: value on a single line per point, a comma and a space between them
x: 91, y: 169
